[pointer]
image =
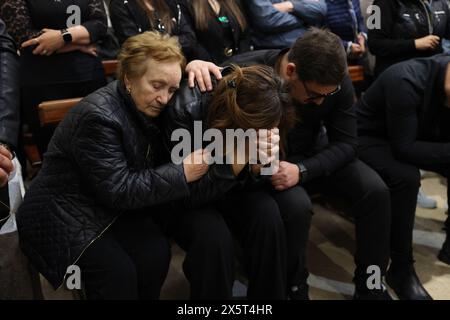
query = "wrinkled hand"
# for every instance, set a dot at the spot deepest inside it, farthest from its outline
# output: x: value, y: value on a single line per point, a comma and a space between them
x: 47, y: 43
x: 195, y: 166
x: 288, y: 175
x: 430, y: 42
x: 6, y: 165
x: 199, y: 71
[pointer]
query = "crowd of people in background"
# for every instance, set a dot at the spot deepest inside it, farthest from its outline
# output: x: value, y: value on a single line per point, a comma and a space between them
x: 107, y: 195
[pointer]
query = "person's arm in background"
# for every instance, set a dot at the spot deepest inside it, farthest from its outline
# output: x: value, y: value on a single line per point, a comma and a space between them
x: 266, y: 18
x: 342, y: 137
x: 122, y: 21
x: 312, y: 12
x: 18, y: 22
x: 89, y: 32
x: 380, y: 41
x: 402, y: 129
x: 9, y: 103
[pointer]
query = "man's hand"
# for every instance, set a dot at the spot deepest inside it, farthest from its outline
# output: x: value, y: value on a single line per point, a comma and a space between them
x: 200, y: 70
x: 288, y: 175
x: 285, y: 6
x: 362, y: 43
x: 6, y: 165
x: 356, y: 51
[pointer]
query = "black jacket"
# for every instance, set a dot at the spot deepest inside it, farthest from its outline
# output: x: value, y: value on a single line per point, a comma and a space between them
x: 105, y: 159
x: 409, y: 117
x: 403, y: 21
x: 9, y: 89
x: 129, y: 19
x: 210, y: 45
x: 324, y: 139
x: 187, y: 106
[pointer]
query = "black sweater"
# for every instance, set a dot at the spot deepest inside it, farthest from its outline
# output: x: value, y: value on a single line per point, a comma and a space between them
x: 403, y: 21
x: 129, y: 19
x: 409, y: 117
x: 320, y: 153
x: 26, y: 18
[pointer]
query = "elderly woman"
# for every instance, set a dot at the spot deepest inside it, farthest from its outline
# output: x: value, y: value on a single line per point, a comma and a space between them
x: 103, y: 194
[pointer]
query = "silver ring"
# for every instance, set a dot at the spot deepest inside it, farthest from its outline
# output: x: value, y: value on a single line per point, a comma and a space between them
x: 44, y: 52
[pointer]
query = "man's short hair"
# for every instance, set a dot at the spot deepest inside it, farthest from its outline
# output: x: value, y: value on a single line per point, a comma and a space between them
x: 319, y: 56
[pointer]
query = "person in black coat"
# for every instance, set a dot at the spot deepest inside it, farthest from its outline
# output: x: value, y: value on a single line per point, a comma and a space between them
x: 9, y: 113
x: 401, y: 132
x: 221, y: 28
x: 409, y: 29
x: 321, y: 148
x: 58, y: 57
x: 104, y: 196
x: 270, y: 229
x: 131, y: 17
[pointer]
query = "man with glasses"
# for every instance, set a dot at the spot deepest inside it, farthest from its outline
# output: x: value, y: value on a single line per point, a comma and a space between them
x: 321, y: 148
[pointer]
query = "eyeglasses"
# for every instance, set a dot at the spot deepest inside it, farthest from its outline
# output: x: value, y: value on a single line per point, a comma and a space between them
x: 314, y: 96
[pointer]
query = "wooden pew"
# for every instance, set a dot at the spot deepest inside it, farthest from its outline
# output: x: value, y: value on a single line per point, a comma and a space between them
x: 356, y: 73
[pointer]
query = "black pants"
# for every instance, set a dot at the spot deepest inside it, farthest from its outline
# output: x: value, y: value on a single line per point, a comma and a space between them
x: 33, y: 95
x: 366, y: 199
x: 129, y: 261
x: 403, y: 180
x: 209, y: 262
x: 272, y: 229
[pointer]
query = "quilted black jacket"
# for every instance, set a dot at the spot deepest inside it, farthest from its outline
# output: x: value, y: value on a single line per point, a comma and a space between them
x: 9, y: 89
x: 105, y: 158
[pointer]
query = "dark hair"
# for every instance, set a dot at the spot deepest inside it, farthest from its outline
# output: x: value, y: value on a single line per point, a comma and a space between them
x: 163, y: 11
x: 319, y: 56
x: 203, y: 14
x: 251, y: 97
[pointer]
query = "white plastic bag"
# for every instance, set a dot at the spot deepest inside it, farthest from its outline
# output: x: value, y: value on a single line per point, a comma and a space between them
x: 16, y: 192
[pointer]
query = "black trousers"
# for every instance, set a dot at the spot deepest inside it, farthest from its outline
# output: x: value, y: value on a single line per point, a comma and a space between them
x: 403, y: 180
x: 272, y: 229
x: 207, y: 241
x: 129, y: 261
x: 366, y: 199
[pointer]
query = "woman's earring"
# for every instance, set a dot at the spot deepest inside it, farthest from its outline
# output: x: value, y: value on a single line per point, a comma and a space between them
x: 129, y: 90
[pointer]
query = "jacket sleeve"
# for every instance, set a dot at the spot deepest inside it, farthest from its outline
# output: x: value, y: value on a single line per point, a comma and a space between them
x: 380, y: 42
x: 99, y: 154
x: 9, y: 89
x: 265, y: 18
x: 97, y: 23
x: 220, y: 178
x: 17, y: 18
x: 342, y: 138
x: 402, y: 128
x: 312, y: 12
x: 122, y: 21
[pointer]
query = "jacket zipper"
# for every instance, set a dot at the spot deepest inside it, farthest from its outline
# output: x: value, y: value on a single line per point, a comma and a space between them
x: 430, y: 27
x: 92, y: 241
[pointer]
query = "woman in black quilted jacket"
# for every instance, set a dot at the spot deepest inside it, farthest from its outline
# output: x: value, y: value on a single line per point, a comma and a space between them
x: 105, y: 160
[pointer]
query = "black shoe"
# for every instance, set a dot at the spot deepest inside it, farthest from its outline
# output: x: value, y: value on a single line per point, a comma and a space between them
x: 405, y: 283
x: 380, y: 294
x: 299, y: 292
x: 444, y: 254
